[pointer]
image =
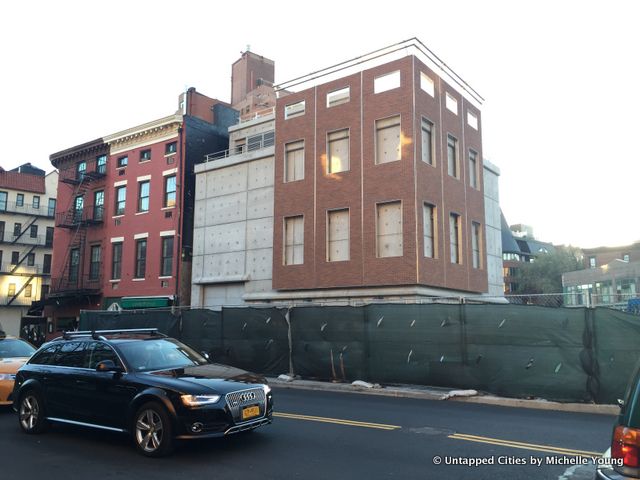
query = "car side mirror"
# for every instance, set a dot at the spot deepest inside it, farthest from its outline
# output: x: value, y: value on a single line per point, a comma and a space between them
x: 108, y: 366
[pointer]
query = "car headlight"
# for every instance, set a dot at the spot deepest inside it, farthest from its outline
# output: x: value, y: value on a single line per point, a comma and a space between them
x: 6, y: 376
x: 199, y: 400
x: 267, y: 389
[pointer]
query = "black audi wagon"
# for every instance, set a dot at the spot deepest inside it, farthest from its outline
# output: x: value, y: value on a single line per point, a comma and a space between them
x: 139, y: 382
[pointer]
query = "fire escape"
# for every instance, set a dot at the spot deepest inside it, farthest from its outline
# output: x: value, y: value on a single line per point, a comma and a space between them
x: 74, y: 279
x: 21, y: 266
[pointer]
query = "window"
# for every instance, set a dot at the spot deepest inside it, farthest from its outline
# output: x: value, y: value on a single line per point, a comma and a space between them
x: 386, y: 82
x: 426, y: 84
x: 389, y: 229
x: 169, y: 191
x: 141, y: 257
x: 46, y: 264
x: 475, y: 245
x: 98, y: 205
x: 36, y: 201
x: 166, y: 264
x: 472, y: 120
x: 451, y: 103
x: 15, y: 258
x: 12, y: 290
x: 294, y: 110
x: 3, y: 201
x: 473, y: 169
x: 78, y: 206
x: 20, y: 200
x: 338, y: 97
x: 454, y: 238
x: 123, y: 161
x: 338, y: 151
x: 121, y: 198
x: 33, y: 231
x: 338, y: 235
x: 143, y: 196
x: 96, y: 259
x: 145, y: 155
x: 171, y: 148
x: 81, y: 169
x: 74, y: 264
x: 452, y: 156
x: 17, y: 229
x: 101, y: 164
x: 428, y: 230
x: 48, y: 238
x: 294, y: 161
x: 388, y: 143
x: 592, y: 262
x: 2, y: 231
x: 116, y: 260
x: 51, y: 209
x: 294, y: 240
x: 99, y: 352
x: 31, y: 259
x: 27, y: 291
x: 427, y: 141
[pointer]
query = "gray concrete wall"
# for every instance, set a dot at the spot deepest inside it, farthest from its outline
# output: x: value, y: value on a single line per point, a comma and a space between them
x: 493, y: 230
x: 233, y: 225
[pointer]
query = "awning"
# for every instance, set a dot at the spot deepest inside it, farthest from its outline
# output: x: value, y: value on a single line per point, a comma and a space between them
x: 144, y: 302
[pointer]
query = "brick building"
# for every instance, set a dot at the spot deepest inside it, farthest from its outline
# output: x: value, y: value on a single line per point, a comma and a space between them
x: 124, y: 218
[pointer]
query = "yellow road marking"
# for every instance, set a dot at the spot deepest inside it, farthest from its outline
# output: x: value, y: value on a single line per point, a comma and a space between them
x: 525, y: 446
x: 352, y: 423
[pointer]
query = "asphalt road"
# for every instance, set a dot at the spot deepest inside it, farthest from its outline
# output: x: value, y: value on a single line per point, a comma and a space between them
x: 321, y: 435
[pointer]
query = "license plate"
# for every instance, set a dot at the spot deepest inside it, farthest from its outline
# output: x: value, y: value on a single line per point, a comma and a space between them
x: 250, y: 412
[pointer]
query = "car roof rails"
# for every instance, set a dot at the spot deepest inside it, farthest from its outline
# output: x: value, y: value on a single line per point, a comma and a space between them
x: 100, y: 334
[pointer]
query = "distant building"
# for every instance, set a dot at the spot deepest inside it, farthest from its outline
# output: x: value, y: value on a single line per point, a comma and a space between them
x: 611, y: 277
x: 27, y: 208
x: 124, y: 220
x: 252, y: 89
x: 519, y: 246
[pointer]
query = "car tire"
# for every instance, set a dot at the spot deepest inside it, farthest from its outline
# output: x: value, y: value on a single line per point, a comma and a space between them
x: 31, y: 413
x: 152, y: 430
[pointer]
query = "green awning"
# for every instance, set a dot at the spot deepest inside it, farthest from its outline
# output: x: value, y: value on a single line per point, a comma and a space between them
x: 143, y: 302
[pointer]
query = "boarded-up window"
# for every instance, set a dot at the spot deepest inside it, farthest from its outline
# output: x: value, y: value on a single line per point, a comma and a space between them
x: 338, y: 151
x: 389, y: 229
x: 429, y: 224
x: 473, y: 169
x: 294, y: 161
x: 427, y: 141
x: 294, y: 110
x: 294, y: 240
x: 454, y: 237
x: 475, y: 245
x: 426, y: 84
x: 451, y: 103
x: 338, y: 236
x: 472, y: 120
x: 386, y: 82
x: 388, y: 144
x: 452, y: 156
x: 338, y: 97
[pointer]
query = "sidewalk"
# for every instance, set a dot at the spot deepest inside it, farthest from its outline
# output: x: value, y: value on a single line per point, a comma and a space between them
x: 437, y: 393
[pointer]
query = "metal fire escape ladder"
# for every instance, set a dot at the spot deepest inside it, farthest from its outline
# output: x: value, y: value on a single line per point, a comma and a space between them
x: 23, y: 258
x: 24, y: 230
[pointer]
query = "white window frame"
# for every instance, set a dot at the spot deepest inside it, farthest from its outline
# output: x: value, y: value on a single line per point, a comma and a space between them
x: 451, y: 103
x: 292, y: 245
x: 293, y: 110
x: 291, y: 148
x: 429, y: 225
x: 336, y: 138
x: 384, y: 124
x: 379, y: 251
x: 332, y: 241
x: 338, y: 97
x: 427, y: 84
x: 386, y: 82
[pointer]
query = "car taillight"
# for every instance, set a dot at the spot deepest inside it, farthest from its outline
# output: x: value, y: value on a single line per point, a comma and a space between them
x: 626, y: 445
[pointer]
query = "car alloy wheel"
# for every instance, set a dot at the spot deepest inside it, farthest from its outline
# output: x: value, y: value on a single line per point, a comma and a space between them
x: 31, y: 413
x: 152, y: 430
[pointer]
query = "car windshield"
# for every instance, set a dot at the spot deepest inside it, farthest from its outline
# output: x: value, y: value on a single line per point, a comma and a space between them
x: 10, y: 348
x: 159, y: 354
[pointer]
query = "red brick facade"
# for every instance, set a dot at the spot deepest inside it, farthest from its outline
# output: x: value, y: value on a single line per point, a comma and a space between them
x: 366, y: 184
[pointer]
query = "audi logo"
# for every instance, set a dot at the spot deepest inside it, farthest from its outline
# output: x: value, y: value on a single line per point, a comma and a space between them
x: 245, y: 397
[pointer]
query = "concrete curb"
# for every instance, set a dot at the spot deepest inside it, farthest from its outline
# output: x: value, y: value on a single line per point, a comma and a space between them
x: 432, y: 393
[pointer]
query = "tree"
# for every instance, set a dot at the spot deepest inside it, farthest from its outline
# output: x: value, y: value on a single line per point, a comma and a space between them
x: 544, y: 274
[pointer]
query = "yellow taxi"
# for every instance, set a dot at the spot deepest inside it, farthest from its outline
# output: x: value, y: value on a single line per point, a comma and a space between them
x: 13, y: 354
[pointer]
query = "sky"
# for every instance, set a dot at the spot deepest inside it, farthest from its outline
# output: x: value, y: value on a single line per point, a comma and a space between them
x: 559, y: 78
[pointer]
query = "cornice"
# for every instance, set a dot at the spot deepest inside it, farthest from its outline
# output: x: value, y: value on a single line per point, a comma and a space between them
x: 145, y: 134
